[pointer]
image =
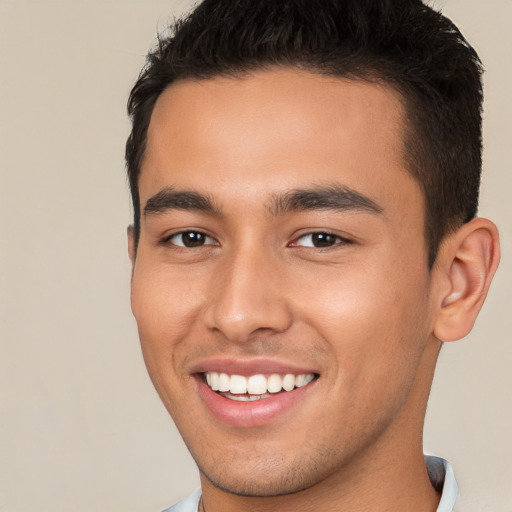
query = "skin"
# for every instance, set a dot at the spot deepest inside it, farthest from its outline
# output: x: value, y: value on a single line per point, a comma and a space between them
x: 364, y: 313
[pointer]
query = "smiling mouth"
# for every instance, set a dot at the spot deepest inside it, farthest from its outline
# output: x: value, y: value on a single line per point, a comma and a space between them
x: 255, y: 387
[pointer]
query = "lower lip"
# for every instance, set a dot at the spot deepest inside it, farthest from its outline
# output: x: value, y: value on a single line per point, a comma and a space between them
x: 253, y: 413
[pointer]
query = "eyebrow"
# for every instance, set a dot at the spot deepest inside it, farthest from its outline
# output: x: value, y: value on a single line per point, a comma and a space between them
x: 333, y: 197
x: 171, y: 199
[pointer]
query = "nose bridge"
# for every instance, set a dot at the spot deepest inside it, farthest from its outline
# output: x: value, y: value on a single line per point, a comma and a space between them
x: 246, y: 295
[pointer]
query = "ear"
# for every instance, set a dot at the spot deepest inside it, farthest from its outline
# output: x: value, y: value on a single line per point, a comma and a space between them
x: 131, y: 243
x: 467, y: 262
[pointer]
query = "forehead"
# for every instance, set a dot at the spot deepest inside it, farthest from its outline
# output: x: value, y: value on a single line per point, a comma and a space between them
x: 275, y: 130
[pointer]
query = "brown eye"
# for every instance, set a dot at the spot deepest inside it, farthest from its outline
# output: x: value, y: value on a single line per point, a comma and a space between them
x: 320, y: 240
x: 323, y: 239
x: 191, y: 239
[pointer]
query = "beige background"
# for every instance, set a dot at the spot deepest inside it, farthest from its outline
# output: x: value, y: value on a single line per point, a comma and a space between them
x: 81, y: 427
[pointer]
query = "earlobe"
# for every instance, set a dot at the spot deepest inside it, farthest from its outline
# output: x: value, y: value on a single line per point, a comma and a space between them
x: 469, y: 260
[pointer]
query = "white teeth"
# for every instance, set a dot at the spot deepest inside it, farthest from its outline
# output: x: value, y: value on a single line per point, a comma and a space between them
x: 274, y: 383
x: 224, y: 382
x: 255, y: 386
x: 299, y: 380
x: 288, y: 382
x: 238, y: 385
x: 214, y: 380
x: 303, y: 380
x: 246, y: 398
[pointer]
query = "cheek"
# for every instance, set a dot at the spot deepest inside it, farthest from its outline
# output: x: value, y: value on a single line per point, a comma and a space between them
x: 164, y: 309
x: 374, y: 322
x: 162, y: 302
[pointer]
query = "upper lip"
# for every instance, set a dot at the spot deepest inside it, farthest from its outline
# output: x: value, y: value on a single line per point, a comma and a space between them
x: 247, y: 367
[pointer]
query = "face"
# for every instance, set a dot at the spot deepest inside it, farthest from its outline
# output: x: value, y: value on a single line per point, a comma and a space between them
x: 282, y: 263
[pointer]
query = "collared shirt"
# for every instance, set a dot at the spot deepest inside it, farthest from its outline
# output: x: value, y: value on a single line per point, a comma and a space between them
x: 439, y: 471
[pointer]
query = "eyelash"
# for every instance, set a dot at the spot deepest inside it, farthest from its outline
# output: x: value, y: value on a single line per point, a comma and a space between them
x: 198, y: 235
x: 339, y: 240
x: 202, y: 238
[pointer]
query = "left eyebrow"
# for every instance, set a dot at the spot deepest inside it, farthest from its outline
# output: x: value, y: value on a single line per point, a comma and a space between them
x: 333, y: 197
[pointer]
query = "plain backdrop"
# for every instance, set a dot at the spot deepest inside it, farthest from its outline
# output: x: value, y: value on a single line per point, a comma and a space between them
x: 81, y: 428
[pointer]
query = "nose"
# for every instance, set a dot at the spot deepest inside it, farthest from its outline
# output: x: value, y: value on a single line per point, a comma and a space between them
x: 247, y: 296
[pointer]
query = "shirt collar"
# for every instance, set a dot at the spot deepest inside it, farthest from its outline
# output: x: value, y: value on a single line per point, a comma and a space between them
x: 443, y: 479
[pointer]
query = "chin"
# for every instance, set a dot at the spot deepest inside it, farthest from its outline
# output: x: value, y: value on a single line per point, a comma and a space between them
x: 263, y: 478
x: 263, y: 487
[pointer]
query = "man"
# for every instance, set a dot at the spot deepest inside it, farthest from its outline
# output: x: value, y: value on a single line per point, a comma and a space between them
x: 305, y: 181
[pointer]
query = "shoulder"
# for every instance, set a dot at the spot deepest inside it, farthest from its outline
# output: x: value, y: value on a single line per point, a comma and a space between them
x: 188, y: 504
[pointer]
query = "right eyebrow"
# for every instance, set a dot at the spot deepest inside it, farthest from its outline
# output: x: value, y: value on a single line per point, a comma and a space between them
x: 171, y: 199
